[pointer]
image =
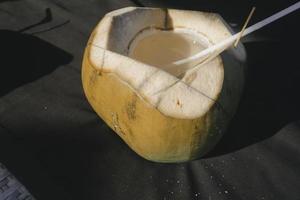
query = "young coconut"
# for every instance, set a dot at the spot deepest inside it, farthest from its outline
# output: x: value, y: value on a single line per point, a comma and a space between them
x: 162, y: 117
x: 164, y: 109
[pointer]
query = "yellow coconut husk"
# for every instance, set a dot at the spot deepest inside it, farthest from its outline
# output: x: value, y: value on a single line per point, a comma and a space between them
x: 117, y: 87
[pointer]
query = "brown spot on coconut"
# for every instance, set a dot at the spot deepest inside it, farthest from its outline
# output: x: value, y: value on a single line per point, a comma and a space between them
x: 131, y: 108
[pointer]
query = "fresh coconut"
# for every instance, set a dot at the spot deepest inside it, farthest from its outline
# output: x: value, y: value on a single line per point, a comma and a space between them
x: 164, y: 113
x: 156, y: 77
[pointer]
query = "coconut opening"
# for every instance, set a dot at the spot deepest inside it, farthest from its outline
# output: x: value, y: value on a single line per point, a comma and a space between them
x: 139, y: 46
x: 160, y: 48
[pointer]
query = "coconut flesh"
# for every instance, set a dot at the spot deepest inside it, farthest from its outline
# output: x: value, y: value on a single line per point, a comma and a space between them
x: 164, y: 113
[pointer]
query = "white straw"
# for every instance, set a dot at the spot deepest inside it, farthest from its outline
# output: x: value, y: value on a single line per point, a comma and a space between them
x: 216, y: 49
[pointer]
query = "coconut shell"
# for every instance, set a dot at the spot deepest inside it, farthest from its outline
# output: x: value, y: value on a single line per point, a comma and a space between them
x: 148, y: 131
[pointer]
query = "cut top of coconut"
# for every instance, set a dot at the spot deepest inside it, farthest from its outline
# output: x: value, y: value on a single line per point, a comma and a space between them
x: 136, y: 45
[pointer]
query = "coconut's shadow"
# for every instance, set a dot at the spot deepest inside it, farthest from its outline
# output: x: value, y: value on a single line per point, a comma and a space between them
x: 270, y: 99
x: 25, y: 58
